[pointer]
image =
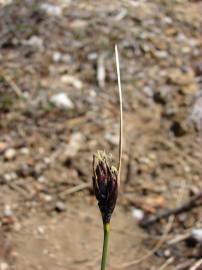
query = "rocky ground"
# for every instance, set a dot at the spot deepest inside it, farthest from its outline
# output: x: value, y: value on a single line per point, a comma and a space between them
x: 59, y: 105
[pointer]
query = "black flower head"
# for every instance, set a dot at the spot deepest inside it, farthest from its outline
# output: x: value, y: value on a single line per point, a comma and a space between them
x: 105, y: 185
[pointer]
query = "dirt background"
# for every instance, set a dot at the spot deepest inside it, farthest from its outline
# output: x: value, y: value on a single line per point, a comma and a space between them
x: 48, y: 214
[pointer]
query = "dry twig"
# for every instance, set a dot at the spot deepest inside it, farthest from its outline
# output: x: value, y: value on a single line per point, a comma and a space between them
x: 75, y: 189
x: 193, y: 202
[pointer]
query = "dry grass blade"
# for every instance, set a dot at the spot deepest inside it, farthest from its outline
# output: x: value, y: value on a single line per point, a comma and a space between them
x: 121, y: 112
x: 12, y: 84
x: 75, y: 189
x: 169, y: 261
x: 197, y: 265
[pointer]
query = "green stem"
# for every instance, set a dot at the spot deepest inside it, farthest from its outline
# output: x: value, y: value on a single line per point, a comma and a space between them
x: 106, y: 228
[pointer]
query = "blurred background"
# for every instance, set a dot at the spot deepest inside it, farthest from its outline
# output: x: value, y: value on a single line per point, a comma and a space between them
x: 59, y: 105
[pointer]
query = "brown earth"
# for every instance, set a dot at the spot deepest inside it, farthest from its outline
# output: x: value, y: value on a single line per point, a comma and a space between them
x: 45, y: 151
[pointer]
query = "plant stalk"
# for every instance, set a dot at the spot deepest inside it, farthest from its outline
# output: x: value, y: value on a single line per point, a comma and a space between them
x: 106, y: 227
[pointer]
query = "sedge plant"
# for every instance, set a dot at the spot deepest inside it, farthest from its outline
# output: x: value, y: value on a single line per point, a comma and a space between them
x: 106, y: 179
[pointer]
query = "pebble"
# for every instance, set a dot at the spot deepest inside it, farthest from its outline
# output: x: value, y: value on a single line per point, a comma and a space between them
x: 137, y: 214
x: 62, y: 101
x: 75, y: 143
x: 196, y: 234
x: 51, y: 9
x: 41, y: 179
x: 10, y: 154
x: 167, y: 20
x: 4, y: 266
x: 60, y: 206
x: 47, y: 160
x: 196, y: 115
x: 144, y: 160
x: 24, y: 151
x: 167, y: 253
x: 41, y: 230
x: 5, y: 3
x: 59, y: 57
x: 3, y: 146
x: 148, y: 91
x: 47, y: 198
x: 161, y: 54
x: 10, y: 176
x: 8, y: 212
x: 35, y: 42
x: 181, y: 37
x: 187, y: 169
x: 92, y: 56
x: 71, y: 80
x: 112, y: 138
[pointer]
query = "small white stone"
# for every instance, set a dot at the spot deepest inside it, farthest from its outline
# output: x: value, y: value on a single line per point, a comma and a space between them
x: 148, y: 91
x: 41, y: 150
x: 196, y: 115
x: 62, y: 101
x: 41, y: 179
x: 161, y: 54
x: 7, y: 177
x: 57, y: 57
x: 66, y: 58
x: 48, y: 198
x: 92, y: 56
x: 4, y: 266
x: 181, y: 37
x: 34, y: 41
x: 24, y: 151
x: 137, y: 214
x: 8, y: 211
x: 10, y: 154
x: 193, y: 42
x: 47, y: 160
x: 6, y: 2
x: 10, y: 176
x: 60, y: 206
x: 41, y: 229
x: 187, y: 169
x: 167, y: 20
x: 52, y: 10
x: 167, y: 253
x: 71, y: 80
x: 145, y: 160
x: 197, y: 234
x: 26, y: 95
